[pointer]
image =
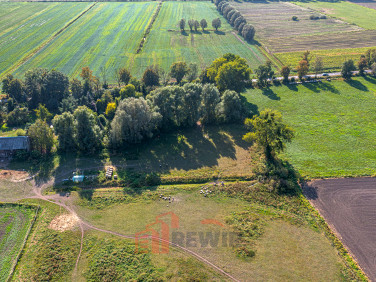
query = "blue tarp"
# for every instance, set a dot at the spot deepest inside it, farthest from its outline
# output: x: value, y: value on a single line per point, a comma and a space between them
x: 78, y: 178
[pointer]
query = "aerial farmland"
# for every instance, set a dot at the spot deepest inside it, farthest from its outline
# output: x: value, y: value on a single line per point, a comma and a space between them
x: 187, y: 140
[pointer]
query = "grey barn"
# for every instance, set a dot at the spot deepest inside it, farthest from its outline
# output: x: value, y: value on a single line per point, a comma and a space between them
x: 9, y: 145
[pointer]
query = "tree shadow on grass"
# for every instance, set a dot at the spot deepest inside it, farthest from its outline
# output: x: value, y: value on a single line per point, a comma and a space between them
x: 292, y: 87
x: 206, y: 32
x: 370, y: 79
x: 358, y: 85
x: 218, y: 32
x: 184, y: 33
x: 270, y: 94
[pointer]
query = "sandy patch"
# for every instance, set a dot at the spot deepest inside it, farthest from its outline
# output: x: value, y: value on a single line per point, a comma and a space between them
x: 13, y: 175
x: 64, y: 222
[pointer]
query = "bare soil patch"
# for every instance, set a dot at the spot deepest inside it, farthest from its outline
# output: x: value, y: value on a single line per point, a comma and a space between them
x: 64, y: 222
x: 349, y: 205
x: 13, y: 175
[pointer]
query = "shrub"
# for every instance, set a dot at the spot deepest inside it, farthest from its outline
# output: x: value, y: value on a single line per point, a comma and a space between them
x: 294, y: 18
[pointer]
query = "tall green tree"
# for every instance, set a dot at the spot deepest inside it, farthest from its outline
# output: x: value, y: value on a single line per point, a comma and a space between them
x: 203, y: 24
x: 347, y: 69
x: 233, y: 75
x: 124, y: 75
x: 269, y: 131
x: 216, y: 23
x: 42, y: 113
x: 134, y: 121
x: 230, y: 109
x: 182, y: 25
x: 362, y: 65
x: 264, y: 72
x: 210, y: 99
x: 150, y: 77
x: 41, y: 137
x: 285, y: 72
x: 87, y: 132
x: 64, y: 127
x: 178, y: 70
x: 248, y: 32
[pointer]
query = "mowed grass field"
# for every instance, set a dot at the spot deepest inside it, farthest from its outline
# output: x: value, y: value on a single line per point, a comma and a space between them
x: 15, y: 222
x: 334, y: 124
x: 106, y: 36
x: 333, y: 59
x: 346, y: 11
x: 163, y: 47
x: 33, y: 24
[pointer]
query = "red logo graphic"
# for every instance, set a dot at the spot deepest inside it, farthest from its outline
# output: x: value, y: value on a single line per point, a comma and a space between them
x: 159, y: 240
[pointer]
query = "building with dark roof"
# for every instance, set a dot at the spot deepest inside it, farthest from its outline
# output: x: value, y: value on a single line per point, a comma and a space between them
x: 9, y: 145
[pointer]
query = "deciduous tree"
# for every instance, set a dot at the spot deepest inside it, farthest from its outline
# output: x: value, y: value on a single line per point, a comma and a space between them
x: 285, y: 72
x: 347, y: 69
x: 87, y: 132
x: 203, y: 24
x: 216, y: 23
x: 269, y: 131
x: 41, y: 137
x: 134, y: 121
x: 64, y: 129
x: 178, y: 70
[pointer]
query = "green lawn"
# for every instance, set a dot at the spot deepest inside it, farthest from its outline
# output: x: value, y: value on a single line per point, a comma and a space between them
x: 105, y: 37
x: 165, y: 44
x: 334, y: 123
x: 349, y: 12
x: 333, y: 59
x: 28, y: 33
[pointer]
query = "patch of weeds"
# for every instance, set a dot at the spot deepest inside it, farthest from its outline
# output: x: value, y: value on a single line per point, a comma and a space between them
x: 55, y: 256
x: 116, y: 260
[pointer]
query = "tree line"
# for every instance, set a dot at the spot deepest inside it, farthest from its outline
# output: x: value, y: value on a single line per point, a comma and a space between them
x: 85, y: 115
x: 195, y: 24
x: 236, y: 19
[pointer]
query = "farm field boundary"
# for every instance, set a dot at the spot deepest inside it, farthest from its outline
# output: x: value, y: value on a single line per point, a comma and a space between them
x: 15, y: 254
x: 342, y: 202
x: 106, y: 37
x: 45, y: 43
x: 333, y: 59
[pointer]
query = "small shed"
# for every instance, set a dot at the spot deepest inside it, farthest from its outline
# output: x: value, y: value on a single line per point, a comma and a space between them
x: 9, y: 145
x: 78, y: 178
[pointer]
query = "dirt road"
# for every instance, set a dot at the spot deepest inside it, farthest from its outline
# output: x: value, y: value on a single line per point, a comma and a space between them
x: 349, y: 205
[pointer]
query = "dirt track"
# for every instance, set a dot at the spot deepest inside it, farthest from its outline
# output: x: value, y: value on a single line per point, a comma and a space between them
x: 349, y: 205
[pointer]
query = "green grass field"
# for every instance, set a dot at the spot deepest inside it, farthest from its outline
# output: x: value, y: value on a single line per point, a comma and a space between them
x: 333, y: 59
x: 334, y: 124
x: 262, y: 218
x: 13, y: 14
x: 346, y: 11
x: 163, y: 47
x: 32, y: 31
x: 15, y: 222
x: 105, y: 37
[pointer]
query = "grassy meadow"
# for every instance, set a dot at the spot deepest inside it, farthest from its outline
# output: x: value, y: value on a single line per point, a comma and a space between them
x: 31, y: 32
x: 349, y: 12
x: 107, y: 36
x: 332, y: 59
x: 262, y: 220
x: 166, y: 44
x: 334, y: 124
x: 15, y: 222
